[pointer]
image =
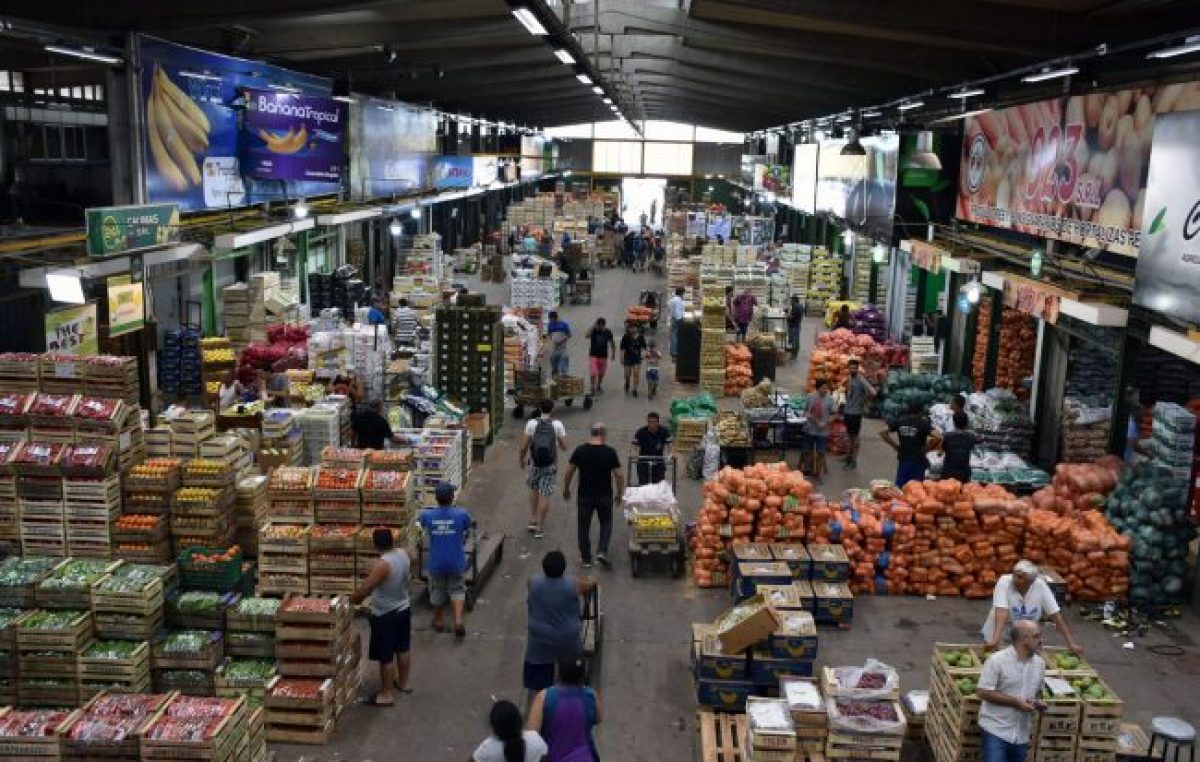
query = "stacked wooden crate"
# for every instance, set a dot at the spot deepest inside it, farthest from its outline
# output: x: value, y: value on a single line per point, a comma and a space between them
x: 952, y: 719
x: 189, y: 430
x: 864, y: 723
x: 110, y: 726
x: 198, y: 728
x: 712, y: 340
x: 91, y: 499
x: 48, y: 645
x: 118, y: 666
x: 249, y: 512
x: 149, y: 491
x: 283, y: 558
x: 250, y: 628
x: 128, y: 604
x: 202, y: 514
x: 186, y: 660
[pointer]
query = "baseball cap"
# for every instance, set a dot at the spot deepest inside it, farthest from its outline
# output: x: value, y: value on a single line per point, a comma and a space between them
x: 445, y: 489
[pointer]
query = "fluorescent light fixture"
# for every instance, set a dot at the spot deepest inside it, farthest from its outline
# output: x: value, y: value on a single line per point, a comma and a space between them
x: 383, y: 107
x: 396, y: 227
x: 598, y: 90
x: 870, y: 113
x: 86, y: 53
x: 343, y: 98
x: 879, y: 254
x: 966, y: 92
x: 1190, y: 45
x: 608, y: 101
x: 963, y: 115
x: 285, y: 88
x: 200, y: 75
x: 529, y: 21
x: 65, y: 286
x: 415, y: 213
x: 565, y: 56
x: 300, y: 210
x: 909, y: 105
x: 1049, y: 73
x: 585, y: 79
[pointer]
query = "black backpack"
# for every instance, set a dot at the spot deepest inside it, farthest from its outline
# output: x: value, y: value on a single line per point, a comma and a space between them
x: 543, y: 444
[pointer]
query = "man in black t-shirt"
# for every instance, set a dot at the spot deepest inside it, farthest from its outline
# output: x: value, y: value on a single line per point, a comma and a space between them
x: 599, y: 470
x: 651, y: 441
x: 915, y: 440
x: 633, y: 344
x: 370, y: 428
x: 601, y: 349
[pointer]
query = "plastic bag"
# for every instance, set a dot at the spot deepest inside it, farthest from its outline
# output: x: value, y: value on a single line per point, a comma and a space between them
x: 858, y: 716
x: 656, y: 499
x: 712, y: 455
x: 873, y: 680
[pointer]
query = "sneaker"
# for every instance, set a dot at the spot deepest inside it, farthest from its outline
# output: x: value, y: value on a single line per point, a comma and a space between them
x: 460, y: 633
x: 602, y: 559
x: 538, y: 534
x: 635, y: 392
x: 586, y: 564
x: 532, y: 527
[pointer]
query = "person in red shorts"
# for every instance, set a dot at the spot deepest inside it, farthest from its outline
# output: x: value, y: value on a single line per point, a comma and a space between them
x: 601, y: 348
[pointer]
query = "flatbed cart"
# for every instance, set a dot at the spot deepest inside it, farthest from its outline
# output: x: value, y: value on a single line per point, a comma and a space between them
x: 643, y: 301
x: 655, y: 533
x: 592, y: 634
x: 484, y: 553
x: 581, y: 291
x: 529, y: 391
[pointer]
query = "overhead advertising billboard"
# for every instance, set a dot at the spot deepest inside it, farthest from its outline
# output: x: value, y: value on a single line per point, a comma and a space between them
x: 193, y: 103
x: 452, y: 172
x: 293, y: 137
x: 1168, y: 265
x: 861, y: 190
x: 392, y: 146
x: 804, y: 178
x: 1072, y: 169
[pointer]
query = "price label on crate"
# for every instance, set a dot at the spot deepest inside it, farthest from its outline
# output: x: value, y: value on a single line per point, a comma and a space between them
x: 483, y: 348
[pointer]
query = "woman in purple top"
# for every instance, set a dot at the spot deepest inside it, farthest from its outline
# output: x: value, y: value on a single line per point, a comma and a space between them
x: 565, y: 715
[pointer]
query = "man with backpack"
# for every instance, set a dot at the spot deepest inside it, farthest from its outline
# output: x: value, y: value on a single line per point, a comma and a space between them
x: 544, y: 436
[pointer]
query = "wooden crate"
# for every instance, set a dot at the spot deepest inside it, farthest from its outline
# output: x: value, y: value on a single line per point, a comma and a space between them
x: 208, y: 658
x: 1060, y: 717
x: 35, y: 747
x: 218, y: 746
x: 70, y: 638
x: 279, y: 733
x: 59, y: 694
x: 99, y: 669
x: 842, y: 745
x: 128, y: 626
x: 143, y: 602
x: 283, y: 545
x: 1101, y: 718
x: 722, y: 736
x: 830, y: 688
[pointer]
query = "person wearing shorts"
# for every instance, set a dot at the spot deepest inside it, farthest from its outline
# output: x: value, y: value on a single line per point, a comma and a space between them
x: 446, y: 527
x: 633, y: 345
x: 858, y: 395
x: 601, y: 348
x: 391, y: 619
x: 543, y: 467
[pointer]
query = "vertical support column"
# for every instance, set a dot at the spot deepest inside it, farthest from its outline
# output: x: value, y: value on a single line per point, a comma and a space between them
x: 209, y: 304
x: 302, y: 263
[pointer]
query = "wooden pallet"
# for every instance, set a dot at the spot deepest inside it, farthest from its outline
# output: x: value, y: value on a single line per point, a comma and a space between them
x: 721, y: 736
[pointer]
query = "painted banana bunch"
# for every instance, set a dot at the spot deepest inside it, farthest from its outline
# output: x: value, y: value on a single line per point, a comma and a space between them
x: 178, y: 130
x: 289, y: 142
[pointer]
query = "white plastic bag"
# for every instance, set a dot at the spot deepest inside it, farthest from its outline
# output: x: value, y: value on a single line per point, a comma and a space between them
x: 657, y: 498
x: 847, y: 681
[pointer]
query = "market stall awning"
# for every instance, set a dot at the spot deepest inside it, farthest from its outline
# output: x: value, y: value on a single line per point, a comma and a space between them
x: 251, y: 236
x: 35, y: 277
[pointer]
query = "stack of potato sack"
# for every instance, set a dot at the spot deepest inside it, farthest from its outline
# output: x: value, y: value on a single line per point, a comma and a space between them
x: 966, y: 535
x: 1018, y: 347
x: 760, y: 503
x: 738, y: 375
x: 1069, y: 533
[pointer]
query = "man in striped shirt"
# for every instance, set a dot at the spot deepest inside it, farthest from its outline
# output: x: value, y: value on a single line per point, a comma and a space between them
x: 406, y: 323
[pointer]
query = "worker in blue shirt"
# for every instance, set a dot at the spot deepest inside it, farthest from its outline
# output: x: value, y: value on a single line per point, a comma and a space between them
x: 446, y: 527
x: 375, y: 315
x: 559, y: 332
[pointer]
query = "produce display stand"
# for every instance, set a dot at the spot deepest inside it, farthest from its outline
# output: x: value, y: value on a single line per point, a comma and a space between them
x: 484, y: 553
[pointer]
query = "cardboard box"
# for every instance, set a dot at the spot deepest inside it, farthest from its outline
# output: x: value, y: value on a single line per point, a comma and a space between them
x: 796, y: 557
x: 769, y: 728
x: 808, y: 600
x: 750, y: 622
x: 712, y: 663
x: 796, y: 636
x: 829, y: 563
x: 834, y: 603
x: 765, y: 669
x: 781, y: 597
x: 729, y: 695
x: 809, y: 712
x: 751, y: 574
x: 751, y: 551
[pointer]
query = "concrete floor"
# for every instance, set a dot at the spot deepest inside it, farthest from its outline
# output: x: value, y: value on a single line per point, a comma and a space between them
x: 645, y: 681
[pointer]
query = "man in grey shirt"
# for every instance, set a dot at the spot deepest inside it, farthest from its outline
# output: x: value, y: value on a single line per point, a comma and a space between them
x: 1008, y: 689
x: 858, y: 393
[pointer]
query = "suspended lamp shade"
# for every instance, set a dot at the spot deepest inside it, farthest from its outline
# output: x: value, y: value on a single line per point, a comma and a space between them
x: 923, y: 157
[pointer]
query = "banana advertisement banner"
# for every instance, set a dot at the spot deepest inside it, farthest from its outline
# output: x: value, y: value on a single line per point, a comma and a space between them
x: 1073, y: 169
x: 194, y: 106
x: 293, y: 137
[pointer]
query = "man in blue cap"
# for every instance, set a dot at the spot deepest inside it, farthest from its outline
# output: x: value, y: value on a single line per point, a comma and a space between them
x: 446, y: 525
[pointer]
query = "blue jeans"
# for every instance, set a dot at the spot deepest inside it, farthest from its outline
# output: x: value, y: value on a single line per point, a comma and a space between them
x: 996, y: 749
x: 910, y: 471
x: 559, y: 362
x: 793, y: 334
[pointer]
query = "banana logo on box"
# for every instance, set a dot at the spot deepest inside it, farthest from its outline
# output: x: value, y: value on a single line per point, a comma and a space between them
x: 177, y: 129
x: 289, y: 142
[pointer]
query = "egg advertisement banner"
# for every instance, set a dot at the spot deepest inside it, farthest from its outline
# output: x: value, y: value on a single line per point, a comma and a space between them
x: 293, y: 137
x: 1073, y: 169
x: 194, y: 105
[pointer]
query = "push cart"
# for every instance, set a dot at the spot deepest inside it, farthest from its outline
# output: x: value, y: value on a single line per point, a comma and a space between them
x: 652, y: 299
x: 529, y: 391
x: 592, y: 634
x: 581, y: 290
x: 655, y: 530
x: 484, y: 553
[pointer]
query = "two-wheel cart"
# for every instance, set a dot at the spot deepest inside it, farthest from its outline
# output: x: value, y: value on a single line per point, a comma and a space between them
x: 581, y: 289
x: 655, y: 528
x: 484, y: 553
x: 592, y: 634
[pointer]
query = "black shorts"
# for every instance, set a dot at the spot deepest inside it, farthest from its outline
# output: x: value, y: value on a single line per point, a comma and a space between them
x: 538, y: 677
x: 391, y: 634
x: 853, y: 424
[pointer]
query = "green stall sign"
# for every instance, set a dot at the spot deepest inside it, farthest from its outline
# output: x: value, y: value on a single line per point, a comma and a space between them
x: 113, y: 230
